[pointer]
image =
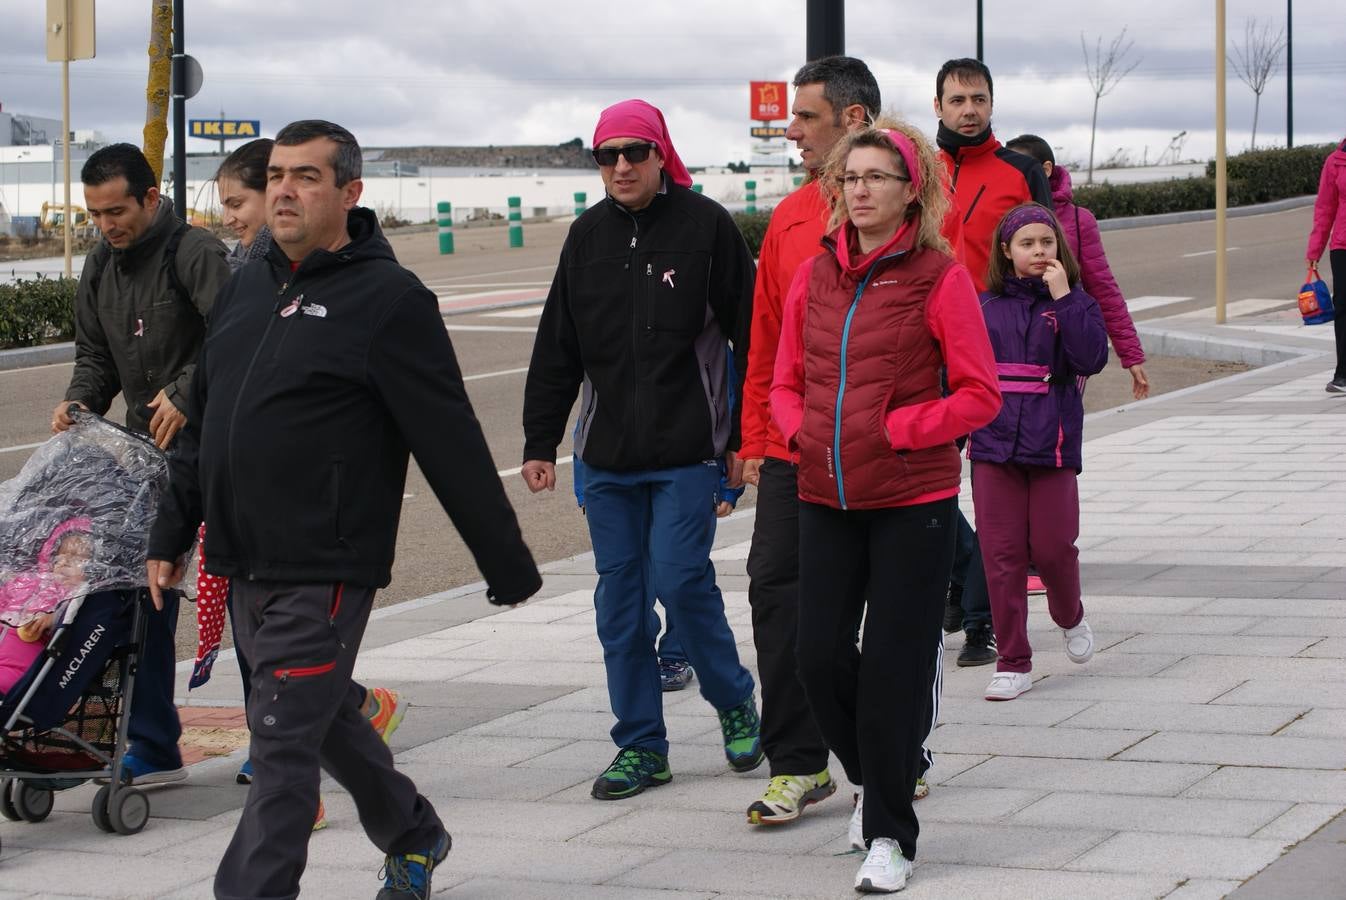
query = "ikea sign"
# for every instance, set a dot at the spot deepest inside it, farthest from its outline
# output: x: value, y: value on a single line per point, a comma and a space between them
x: 224, y: 129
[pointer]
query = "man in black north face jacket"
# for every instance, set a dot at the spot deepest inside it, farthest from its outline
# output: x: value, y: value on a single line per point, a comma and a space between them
x: 325, y: 366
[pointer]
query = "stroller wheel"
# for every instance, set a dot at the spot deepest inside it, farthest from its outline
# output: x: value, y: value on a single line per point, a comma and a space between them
x: 33, y: 803
x: 7, y: 800
x: 100, y: 811
x: 129, y: 810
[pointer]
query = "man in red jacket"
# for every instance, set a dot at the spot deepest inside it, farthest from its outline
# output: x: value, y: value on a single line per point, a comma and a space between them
x: 833, y: 95
x: 987, y: 179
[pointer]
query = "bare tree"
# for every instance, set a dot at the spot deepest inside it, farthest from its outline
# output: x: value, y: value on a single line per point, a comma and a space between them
x: 1105, y: 70
x: 157, y: 87
x: 1256, y: 60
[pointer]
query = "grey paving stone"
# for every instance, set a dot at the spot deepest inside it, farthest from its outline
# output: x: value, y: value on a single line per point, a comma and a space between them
x: 1321, y: 723
x: 463, y: 749
x: 1241, y: 750
x: 1174, y: 815
x: 772, y: 874
x: 1203, y: 889
x: 1214, y: 645
x: 1311, y: 608
x: 1202, y: 668
x: 946, y: 803
x: 1027, y: 710
x: 945, y: 767
x: 1263, y: 783
x: 1300, y: 821
x: 1191, y: 856
x: 1085, y: 776
x: 1084, y: 686
x: 1120, y: 622
x: 486, y: 782
x: 103, y: 874
x: 1310, y: 626
x: 377, y: 670
x: 592, y: 756
x: 459, y: 695
x: 1059, y: 742
x: 1326, y: 648
x: 1312, y: 869
x: 578, y: 674
x: 709, y: 830
x: 1198, y: 717
x: 519, y: 889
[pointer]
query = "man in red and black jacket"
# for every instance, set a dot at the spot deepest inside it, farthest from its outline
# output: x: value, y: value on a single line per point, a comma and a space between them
x: 987, y: 179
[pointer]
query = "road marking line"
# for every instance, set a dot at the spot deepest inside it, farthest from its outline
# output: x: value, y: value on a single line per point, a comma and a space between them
x: 17, y: 447
x: 551, y: 266
x: 35, y: 368
x: 494, y: 374
x: 519, y: 329
x: 524, y: 313
x: 489, y: 284
x: 1208, y: 252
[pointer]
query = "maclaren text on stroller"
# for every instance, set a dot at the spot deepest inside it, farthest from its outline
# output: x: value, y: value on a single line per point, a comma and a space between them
x: 73, y: 528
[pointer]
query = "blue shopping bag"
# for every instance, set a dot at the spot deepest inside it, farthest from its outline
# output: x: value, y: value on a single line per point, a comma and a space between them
x: 1315, y: 301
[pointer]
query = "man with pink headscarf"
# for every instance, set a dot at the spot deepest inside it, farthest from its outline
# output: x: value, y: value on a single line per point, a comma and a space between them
x: 653, y: 287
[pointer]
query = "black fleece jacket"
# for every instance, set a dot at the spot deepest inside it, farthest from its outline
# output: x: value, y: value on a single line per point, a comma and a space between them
x: 313, y: 387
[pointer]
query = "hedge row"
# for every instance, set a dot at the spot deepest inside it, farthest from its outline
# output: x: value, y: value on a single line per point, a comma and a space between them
x: 1258, y: 176
x: 37, y: 311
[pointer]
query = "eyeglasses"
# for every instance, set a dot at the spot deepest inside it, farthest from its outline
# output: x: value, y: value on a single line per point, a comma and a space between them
x: 634, y: 153
x: 873, y: 180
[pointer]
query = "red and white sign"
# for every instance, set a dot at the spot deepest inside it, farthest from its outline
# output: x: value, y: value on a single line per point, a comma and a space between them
x: 767, y: 101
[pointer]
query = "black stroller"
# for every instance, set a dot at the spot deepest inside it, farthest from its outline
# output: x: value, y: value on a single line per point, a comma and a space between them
x: 73, y: 529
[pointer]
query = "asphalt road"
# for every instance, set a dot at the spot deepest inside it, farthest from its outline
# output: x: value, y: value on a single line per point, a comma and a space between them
x: 494, y: 346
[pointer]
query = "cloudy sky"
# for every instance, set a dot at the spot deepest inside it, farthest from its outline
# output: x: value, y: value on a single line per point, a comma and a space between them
x: 508, y: 71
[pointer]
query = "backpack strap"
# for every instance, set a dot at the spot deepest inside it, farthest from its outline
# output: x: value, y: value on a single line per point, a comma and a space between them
x: 102, y: 258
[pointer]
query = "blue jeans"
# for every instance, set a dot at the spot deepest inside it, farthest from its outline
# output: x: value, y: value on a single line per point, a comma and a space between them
x: 969, y: 574
x: 154, y: 727
x: 652, y: 533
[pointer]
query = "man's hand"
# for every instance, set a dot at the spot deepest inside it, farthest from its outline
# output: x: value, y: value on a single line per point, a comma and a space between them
x: 1140, y: 385
x: 733, y: 469
x: 161, y: 575
x: 752, y: 470
x: 723, y: 509
x: 167, y: 420
x: 539, y: 475
x: 60, y: 416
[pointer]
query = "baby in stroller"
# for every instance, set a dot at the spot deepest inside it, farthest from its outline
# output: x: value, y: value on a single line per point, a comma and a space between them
x: 28, y: 601
x: 73, y: 528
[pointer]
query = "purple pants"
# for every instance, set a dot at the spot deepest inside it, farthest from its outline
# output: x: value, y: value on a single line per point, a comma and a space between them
x: 1023, y: 513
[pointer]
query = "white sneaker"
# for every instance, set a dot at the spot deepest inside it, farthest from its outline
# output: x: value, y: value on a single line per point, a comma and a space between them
x: 885, y: 869
x: 1079, y: 642
x: 1008, y: 685
x: 857, y: 828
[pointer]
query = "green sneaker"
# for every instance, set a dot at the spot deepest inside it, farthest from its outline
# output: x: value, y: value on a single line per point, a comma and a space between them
x: 922, y: 789
x: 632, y: 770
x: 742, y: 736
x: 787, y: 795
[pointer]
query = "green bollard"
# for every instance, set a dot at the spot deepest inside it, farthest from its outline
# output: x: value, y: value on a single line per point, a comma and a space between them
x: 580, y: 203
x: 799, y: 179
x: 697, y: 188
x: 445, y: 227
x: 751, y: 189
x: 515, y: 222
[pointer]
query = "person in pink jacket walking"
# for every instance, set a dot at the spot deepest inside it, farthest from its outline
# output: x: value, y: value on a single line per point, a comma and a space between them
x: 1082, y: 236
x: 1329, y: 231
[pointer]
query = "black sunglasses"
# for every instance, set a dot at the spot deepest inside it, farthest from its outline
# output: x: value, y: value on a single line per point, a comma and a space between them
x: 634, y: 153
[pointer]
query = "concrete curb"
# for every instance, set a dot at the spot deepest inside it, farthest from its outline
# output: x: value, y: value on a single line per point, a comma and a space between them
x: 1168, y: 341
x: 47, y: 354
x: 1203, y: 215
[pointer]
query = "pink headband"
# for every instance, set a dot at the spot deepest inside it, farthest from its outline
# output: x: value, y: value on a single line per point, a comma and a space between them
x: 1027, y: 214
x: 638, y: 119
x: 907, y: 150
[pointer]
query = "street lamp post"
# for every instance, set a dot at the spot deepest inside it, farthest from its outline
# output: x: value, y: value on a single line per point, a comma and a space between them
x: 1289, y: 74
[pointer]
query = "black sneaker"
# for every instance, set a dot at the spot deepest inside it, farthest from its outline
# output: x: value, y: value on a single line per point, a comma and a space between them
x: 632, y: 770
x: 407, y: 875
x: 1337, y: 386
x: 953, y: 612
x: 978, y: 648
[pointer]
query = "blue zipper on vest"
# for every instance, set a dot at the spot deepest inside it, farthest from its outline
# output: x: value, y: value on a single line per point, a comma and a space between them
x: 841, y: 388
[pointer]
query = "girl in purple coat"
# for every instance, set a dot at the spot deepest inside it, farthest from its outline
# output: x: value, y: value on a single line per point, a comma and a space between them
x: 1080, y: 230
x: 1048, y: 336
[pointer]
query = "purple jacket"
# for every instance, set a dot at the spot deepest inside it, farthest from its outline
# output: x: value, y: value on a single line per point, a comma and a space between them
x: 1329, y: 210
x: 1082, y: 236
x: 1044, y: 349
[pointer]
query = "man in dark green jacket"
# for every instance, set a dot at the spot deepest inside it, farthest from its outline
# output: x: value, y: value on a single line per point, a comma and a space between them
x: 140, y: 319
x: 143, y: 298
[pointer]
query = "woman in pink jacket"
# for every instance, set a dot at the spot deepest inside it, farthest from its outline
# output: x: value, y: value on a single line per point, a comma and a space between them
x: 1086, y: 243
x: 1329, y: 230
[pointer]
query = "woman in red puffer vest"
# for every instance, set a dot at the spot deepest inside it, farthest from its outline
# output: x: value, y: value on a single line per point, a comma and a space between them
x: 869, y: 325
